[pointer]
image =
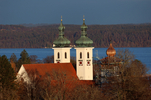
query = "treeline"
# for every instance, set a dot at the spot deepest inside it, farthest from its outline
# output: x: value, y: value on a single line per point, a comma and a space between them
x: 128, y: 35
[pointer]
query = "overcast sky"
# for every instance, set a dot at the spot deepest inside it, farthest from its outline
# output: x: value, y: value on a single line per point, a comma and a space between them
x: 96, y: 11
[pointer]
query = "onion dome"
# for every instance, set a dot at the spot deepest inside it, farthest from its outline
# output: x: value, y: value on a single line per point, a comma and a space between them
x: 84, y: 41
x: 61, y: 41
x: 111, y: 51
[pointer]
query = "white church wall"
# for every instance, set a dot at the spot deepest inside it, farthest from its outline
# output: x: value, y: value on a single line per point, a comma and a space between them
x: 84, y: 65
x: 62, y: 52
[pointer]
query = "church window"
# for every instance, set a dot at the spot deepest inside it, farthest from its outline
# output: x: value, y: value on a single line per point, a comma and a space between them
x: 80, y: 55
x: 65, y: 55
x: 87, y: 54
x: 58, y: 55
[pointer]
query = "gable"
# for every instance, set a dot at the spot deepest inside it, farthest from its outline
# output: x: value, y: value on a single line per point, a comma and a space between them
x: 22, y: 74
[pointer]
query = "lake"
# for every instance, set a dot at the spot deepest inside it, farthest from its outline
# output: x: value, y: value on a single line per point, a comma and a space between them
x: 141, y: 53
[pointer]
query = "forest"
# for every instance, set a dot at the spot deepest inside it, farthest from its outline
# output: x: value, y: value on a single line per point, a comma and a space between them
x: 124, y: 35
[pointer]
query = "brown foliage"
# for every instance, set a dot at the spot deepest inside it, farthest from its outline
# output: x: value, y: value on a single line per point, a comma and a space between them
x: 129, y: 84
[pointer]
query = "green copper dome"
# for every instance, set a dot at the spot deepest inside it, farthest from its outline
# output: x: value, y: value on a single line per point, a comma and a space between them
x: 61, y: 41
x: 84, y: 41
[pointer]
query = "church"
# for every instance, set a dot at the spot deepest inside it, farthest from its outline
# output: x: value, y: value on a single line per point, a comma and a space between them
x: 84, y: 58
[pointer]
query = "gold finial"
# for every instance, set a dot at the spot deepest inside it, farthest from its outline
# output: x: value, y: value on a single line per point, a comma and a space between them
x: 83, y: 17
x: 61, y: 17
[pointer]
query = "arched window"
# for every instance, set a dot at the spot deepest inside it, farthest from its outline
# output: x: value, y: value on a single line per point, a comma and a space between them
x: 58, y: 55
x: 65, y: 55
x: 80, y: 55
x: 87, y: 54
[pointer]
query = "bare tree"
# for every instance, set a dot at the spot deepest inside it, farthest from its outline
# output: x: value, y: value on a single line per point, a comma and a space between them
x: 33, y: 59
x: 30, y: 90
x: 48, y: 59
x: 129, y: 84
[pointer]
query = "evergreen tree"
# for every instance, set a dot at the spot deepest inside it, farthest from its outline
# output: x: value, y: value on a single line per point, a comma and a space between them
x: 7, y: 77
x: 24, y: 59
x: 13, y: 58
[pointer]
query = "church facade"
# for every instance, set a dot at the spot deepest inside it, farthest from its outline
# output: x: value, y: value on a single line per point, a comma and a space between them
x: 84, y: 52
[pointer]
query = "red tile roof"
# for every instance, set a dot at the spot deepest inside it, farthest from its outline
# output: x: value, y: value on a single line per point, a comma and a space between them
x: 66, y: 74
x: 51, y: 68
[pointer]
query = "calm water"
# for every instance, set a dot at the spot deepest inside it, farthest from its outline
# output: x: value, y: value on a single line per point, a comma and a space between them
x: 143, y: 54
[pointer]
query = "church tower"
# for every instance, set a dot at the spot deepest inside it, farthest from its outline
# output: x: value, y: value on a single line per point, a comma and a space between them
x: 84, y: 54
x: 61, y: 47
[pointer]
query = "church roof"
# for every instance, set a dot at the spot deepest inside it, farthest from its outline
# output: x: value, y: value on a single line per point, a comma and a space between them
x: 51, y: 68
x: 58, y: 72
x: 67, y: 77
x: 61, y: 41
x: 84, y: 41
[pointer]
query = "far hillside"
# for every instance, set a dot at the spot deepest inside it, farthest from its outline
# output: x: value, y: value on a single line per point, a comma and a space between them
x: 125, y: 35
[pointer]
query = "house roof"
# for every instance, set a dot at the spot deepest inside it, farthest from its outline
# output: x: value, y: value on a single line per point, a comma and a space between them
x: 51, y: 68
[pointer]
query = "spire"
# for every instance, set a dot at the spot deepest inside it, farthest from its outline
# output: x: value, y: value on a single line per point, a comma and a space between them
x: 83, y: 19
x: 84, y: 27
x: 61, y: 18
x: 61, y: 41
x: 61, y: 27
x: 84, y: 41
